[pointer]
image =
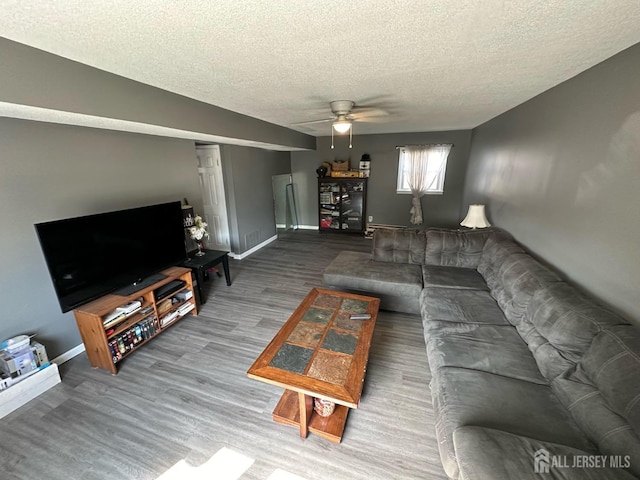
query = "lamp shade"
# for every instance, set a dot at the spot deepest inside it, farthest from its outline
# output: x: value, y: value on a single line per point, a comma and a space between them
x: 475, y: 217
x: 342, y: 126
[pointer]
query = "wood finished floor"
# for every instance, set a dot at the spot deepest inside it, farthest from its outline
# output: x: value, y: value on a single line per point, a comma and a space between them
x: 185, y: 395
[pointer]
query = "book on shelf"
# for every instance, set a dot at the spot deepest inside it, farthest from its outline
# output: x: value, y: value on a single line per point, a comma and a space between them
x: 130, y: 338
x: 145, y: 329
x: 139, y: 333
x: 116, y: 354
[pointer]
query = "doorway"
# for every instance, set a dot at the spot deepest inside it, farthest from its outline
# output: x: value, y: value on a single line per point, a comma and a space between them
x: 213, y: 199
x: 284, y: 202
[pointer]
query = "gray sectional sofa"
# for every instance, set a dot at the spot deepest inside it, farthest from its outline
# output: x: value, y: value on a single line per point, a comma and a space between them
x: 528, y: 373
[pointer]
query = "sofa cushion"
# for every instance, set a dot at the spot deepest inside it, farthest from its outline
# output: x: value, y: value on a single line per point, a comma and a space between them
x: 519, y: 278
x: 491, y: 348
x: 454, y: 248
x: 612, y: 364
x: 357, y: 271
x: 470, y: 397
x: 460, y: 305
x: 559, y: 326
x: 399, y: 246
x: 609, y: 431
x: 453, y: 277
x: 487, y: 453
x: 496, y: 249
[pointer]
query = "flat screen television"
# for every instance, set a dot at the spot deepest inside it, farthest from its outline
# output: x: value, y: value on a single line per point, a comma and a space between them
x: 116, y: 252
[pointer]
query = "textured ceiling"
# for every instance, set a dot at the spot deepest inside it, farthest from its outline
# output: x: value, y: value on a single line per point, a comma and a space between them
x: 430, y: 65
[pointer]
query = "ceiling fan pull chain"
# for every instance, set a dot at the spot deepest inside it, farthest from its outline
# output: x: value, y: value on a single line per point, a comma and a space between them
x: 332, y: 138
x: 350, y: 136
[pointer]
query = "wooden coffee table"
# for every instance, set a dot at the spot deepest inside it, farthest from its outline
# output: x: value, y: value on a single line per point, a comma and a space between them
x: 319, y: 352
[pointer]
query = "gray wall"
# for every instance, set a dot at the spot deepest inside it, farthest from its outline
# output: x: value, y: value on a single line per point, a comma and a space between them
x: 49, y: 172
x: 386, y: 206
x: 36, y: 78
x: 561, y: 173
x: 249, y: 191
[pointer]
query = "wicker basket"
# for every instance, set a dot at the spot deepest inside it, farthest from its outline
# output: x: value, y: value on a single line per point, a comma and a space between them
x: 340, y: 165
x: 164, y: 306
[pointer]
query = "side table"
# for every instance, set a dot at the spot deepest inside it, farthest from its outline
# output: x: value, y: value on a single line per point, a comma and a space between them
x: 199, y: 265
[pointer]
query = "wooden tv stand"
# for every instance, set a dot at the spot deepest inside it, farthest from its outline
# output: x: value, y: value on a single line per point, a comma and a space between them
x: 128, y: 334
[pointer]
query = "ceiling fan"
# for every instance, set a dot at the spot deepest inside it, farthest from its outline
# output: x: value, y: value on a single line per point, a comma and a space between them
x: 344, y: 114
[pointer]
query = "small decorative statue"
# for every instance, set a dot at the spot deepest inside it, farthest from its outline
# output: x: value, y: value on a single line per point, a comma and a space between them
x: 365, y: 165
x: 321, y: 171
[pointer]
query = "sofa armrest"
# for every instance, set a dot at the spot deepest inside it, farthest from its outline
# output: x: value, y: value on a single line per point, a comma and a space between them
x: 486, y: 453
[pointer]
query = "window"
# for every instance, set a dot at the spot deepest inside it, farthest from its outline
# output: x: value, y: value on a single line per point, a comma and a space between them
x: 423, y: 167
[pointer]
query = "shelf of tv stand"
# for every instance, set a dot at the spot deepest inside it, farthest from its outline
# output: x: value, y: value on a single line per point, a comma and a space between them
x: 125, y: 323
x: 133, y: 350
x: 89, y: 318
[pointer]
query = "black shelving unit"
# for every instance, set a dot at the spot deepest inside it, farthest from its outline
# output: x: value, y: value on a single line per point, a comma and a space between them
x: 342, y: 204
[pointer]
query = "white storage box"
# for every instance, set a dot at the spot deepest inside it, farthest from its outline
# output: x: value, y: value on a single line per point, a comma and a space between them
x: 27, y: 389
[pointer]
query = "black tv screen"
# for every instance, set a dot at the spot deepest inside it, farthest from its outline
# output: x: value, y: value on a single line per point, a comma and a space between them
x: 119, y: 252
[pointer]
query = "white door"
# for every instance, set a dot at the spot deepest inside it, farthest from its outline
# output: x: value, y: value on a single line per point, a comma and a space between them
x: 212, y: 188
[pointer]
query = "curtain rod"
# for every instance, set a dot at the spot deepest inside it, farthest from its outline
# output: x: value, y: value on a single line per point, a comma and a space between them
x: 423, y: 145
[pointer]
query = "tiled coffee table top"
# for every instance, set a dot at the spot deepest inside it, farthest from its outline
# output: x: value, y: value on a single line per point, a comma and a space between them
x: 320, y: 349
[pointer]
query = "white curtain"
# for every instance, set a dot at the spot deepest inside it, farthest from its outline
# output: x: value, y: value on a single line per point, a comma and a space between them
x: 425, y: 166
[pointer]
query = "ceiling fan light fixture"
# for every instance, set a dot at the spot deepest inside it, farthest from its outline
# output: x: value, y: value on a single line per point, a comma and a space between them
x: 341, y: 126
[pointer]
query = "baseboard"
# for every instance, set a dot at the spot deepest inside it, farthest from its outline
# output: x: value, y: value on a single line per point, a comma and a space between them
x: 240, y: 256
x: 69, y: 354
x: 298, y: 227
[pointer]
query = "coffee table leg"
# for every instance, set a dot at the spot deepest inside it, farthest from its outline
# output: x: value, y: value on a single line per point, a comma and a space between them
x: 306, y: 408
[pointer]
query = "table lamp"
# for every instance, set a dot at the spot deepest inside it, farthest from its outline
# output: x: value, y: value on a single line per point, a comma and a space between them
x: 475, y: 217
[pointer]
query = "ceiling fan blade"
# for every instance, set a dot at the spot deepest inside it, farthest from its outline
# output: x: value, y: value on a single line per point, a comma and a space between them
x: 383, y: 99
x: 311, y: 122
x: 374, y: 119
x: 369, y: 112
